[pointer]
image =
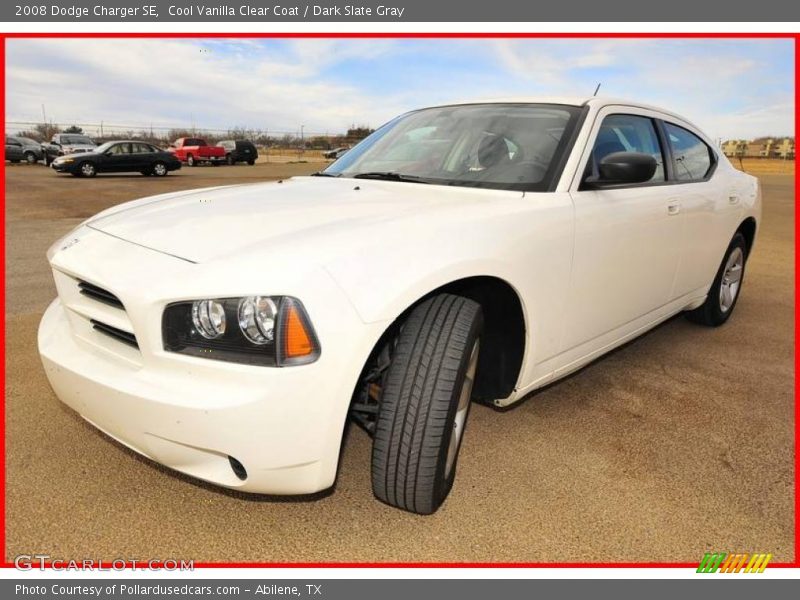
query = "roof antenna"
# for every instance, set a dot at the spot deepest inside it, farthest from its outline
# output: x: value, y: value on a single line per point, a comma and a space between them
x: 597, y: 89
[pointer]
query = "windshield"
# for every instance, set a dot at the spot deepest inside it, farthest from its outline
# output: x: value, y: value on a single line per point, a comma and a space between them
x: 76, y: 139
x: 104, y: 147
x: 500, y: 146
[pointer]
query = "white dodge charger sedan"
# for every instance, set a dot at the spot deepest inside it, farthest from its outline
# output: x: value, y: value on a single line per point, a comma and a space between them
x: 464, y: 252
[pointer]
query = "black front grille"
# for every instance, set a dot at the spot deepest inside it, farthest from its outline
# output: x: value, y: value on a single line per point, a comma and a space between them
x: 99, y: 294
x: 117, y: 334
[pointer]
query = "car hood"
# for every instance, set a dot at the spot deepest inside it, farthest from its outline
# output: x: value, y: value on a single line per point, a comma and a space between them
x: 312, y: 215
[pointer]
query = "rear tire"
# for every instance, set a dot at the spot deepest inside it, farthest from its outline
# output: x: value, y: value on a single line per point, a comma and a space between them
x: 30, y: 158
x: 190, y: 161
x: 251, y: 162
x: 159, y: 169
x: 229, y: 160
x: 727, y: 286
x: 425, y: 402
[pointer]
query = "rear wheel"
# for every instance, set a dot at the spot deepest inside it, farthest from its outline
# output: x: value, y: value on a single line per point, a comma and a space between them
x: 159, y: 169
x: 251, y: 162
x: 190, y: 161
x: 724, y: 292
x: 229, y: 159
x: 87, y: 169
x: 30, y: 158
x: 424, y: 403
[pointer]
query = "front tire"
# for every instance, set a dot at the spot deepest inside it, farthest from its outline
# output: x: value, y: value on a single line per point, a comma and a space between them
x: 229, y: 159
x: 190, y: 161
x: 159, y: 169
x: 725, y: 290
x: 30, y: 158
x: 87, y: 169
x: 425, y: 402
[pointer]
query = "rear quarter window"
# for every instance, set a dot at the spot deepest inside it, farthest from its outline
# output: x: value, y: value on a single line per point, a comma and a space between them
x: 694, y: 159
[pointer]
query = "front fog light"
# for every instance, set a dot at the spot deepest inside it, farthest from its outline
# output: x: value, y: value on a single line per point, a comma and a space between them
x: 257, y: 318
x: 208, y: 318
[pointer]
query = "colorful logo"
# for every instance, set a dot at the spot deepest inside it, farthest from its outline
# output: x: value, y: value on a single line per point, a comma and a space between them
x: 719, y: 562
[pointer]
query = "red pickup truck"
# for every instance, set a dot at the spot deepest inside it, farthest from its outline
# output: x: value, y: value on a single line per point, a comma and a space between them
x: 193, y: 151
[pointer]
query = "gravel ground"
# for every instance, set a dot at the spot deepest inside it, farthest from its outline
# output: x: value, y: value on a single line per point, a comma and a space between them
x: 678, y: 443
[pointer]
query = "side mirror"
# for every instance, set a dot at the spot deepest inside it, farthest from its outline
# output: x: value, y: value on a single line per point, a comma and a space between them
x: 621, y: 168
x: 109, y: 153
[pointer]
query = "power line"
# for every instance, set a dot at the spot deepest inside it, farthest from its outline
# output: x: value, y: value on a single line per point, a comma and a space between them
x: 104, y: 126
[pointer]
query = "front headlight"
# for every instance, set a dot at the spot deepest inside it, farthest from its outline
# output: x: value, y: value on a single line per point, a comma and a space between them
x: 63, y: 161
x: 255, y: 330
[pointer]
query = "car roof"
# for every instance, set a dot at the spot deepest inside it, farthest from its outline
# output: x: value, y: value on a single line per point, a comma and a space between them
x: 593, y: 101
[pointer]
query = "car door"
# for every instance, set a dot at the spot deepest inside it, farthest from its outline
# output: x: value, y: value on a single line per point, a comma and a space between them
x: 628, y: 238
x: 710, y: 202
x: 13, y: 149
x: 118, y: 158
x: 142, y: 157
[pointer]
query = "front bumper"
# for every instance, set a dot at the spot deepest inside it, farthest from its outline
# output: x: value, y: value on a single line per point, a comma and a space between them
x: 63, y: 167
x: 284, y: 425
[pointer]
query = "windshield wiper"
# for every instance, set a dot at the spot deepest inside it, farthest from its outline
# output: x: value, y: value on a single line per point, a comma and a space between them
x: 389, y: 176
x: 324, y: 174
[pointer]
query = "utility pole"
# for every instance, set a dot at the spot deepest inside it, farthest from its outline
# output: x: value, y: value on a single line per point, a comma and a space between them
x: 44, y: 121
x: 302, y: 140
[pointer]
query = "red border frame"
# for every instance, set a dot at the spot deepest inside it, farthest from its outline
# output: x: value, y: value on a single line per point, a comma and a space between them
x: 419, y: 35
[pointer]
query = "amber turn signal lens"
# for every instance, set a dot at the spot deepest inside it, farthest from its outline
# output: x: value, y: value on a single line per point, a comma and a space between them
x: 299, y: 340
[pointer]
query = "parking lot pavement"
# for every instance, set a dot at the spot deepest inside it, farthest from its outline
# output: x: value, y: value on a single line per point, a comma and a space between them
x: 679, y: 443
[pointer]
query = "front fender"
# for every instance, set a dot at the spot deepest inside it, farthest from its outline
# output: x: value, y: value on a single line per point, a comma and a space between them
x: 384, y: 294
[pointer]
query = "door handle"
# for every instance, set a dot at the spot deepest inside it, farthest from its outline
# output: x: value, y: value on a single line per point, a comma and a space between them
x: 673, y: 208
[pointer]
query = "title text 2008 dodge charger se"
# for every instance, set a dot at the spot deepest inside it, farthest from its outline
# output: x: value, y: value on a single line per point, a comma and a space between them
x: 470, y: 251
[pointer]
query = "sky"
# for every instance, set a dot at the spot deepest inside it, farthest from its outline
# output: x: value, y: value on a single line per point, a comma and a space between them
x: 735, y: 88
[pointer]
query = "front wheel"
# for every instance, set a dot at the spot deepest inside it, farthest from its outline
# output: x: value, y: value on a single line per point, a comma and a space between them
x: 251, y: 162
x: 724, y: 292
x: 190, y: 161
x: 424, y: 404
x: 159, y: 169
x: 229, y: 159
x: 30, y: 158
x: 87, y: 169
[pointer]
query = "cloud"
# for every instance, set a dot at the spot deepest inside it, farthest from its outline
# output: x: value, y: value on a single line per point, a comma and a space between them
x: 731, y: 88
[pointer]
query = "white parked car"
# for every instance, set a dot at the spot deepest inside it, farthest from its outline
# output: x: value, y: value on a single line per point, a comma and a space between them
x: 462, y: 252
